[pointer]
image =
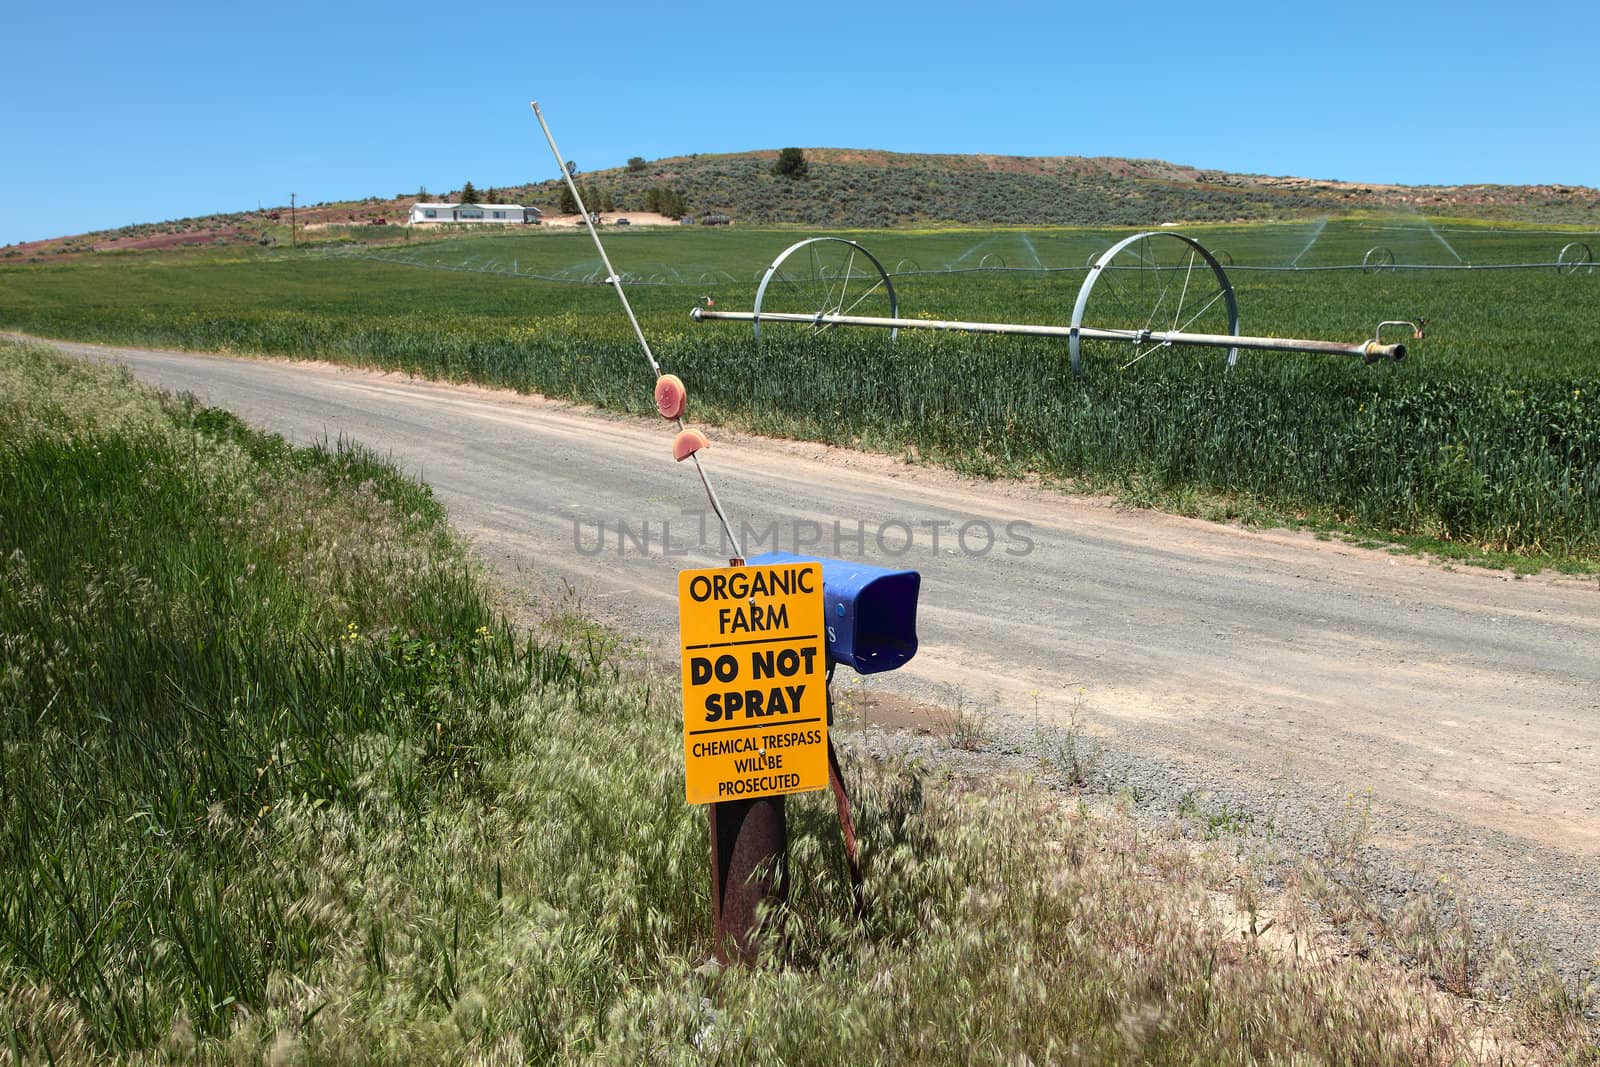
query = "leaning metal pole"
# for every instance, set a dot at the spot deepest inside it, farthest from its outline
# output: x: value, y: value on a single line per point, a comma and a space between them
x: 1369, y: 350
x: 616, y: 284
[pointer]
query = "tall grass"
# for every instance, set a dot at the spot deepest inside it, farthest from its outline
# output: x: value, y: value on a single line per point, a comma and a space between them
x: 276, y: 783
x: 201, y: 624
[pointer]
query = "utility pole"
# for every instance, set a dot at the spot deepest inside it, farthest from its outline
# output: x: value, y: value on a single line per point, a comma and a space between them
x: 291, y: 221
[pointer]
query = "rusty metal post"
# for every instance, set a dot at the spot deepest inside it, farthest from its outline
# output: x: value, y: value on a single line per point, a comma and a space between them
x: 749, y: 870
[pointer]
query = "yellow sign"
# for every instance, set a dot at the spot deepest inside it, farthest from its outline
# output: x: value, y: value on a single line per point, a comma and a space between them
x: 755, y: 696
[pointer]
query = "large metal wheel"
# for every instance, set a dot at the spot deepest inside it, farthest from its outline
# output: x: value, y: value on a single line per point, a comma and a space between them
x: 1377, y: 258
x: 1152, y: 283
x: 1575, y: 257
x: 825, y: 276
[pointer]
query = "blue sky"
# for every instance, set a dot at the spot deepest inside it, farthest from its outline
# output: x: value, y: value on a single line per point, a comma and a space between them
x: 125, y: 113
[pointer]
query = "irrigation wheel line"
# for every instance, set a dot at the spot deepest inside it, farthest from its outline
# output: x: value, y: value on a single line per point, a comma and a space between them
x: 825, y: 276
x: 1575, y: 256
x: 1155, y: 283
x: 1149, y: 291
x: 1377, y: 258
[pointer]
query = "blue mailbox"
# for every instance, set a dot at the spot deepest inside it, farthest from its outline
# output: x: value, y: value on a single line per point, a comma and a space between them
x: 871, y: 611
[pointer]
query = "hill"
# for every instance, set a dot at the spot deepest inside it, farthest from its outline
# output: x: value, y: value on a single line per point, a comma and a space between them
x: 865, y: 188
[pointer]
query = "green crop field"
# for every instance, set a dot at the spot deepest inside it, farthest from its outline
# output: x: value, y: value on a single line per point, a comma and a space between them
x: 1487, y: 440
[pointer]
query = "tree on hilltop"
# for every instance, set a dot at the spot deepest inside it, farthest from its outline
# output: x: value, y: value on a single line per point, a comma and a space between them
x: 791, y: 164
x: 469, y: 195
x: 636, y: 163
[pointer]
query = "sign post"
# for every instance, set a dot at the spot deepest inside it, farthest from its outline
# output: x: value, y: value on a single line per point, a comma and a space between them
x: 755, y: 726
x: 755, y: 675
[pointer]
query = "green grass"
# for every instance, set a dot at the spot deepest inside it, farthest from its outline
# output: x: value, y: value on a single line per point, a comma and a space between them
x: 1487, y: 441
x: 276, y: 783
x: 209, y: 638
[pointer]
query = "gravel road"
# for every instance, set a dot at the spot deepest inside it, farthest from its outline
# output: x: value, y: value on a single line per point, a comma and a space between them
x: 1287, y: 679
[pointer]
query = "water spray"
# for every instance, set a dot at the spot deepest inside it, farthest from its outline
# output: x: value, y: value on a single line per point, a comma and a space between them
x: 1321, y: 225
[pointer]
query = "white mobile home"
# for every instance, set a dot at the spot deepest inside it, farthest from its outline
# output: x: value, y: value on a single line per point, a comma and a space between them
x: 491, y: 214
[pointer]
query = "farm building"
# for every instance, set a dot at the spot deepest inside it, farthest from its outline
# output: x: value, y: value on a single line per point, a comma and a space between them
x: 491, y: 214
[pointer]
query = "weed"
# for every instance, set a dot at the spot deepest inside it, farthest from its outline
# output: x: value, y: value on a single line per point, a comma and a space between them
x: 964, y: 726
x: 1070, y: 752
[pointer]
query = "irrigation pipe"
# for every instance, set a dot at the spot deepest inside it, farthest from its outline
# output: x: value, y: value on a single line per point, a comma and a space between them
x: 932, y: 272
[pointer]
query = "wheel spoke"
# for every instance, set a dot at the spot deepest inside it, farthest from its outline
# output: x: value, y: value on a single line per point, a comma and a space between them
x: 1177, y: 312
x: 875, y: 287
x: 1160, y: 299
x: 1116, y: 293
x: 818, y: 296
x: 788, y: 282
x: 1146, y: 352
x: 1203, y: 308
x: 844, y: 286
x: 1144, y: 281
